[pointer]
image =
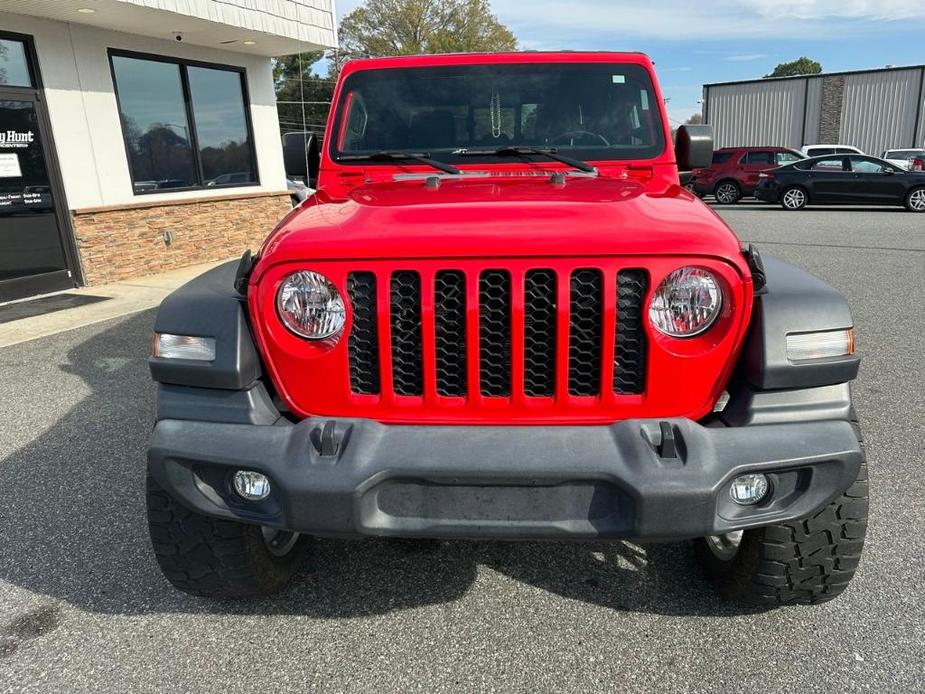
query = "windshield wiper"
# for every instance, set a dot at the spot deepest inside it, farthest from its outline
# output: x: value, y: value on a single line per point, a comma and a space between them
x: 550, y: 152
x: 422, y: 157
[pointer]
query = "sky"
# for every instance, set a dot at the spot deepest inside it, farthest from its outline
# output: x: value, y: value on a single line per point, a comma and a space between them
x: 694, y: 43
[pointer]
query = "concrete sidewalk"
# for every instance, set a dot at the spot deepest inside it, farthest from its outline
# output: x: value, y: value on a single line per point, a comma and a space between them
x: 130, y: 296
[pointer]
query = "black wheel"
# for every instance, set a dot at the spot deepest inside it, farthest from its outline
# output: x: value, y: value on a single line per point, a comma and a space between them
x: 727, y: 192
x: 798, y: 563
x: 218, y: 558
x: 915, y: 200
x: 793, y: 198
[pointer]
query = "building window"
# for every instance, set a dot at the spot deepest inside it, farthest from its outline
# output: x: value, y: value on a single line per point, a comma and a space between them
x: 185, y: 125
x: 14, y: 64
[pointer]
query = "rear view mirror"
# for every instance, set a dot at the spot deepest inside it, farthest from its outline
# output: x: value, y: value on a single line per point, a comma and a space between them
x: 694, y: 147
x: 302, y: 156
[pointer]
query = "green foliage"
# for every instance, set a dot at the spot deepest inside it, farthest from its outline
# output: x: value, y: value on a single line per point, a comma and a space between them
x: 411, y: 27
x: 309, y: 95
x: 800, y: 66
x: 288, y: 66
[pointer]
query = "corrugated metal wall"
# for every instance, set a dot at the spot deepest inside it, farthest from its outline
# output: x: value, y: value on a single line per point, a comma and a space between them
x: 920, y: 130
x: 756, y: 113
x: 879, y: 110
x: 813, y: 112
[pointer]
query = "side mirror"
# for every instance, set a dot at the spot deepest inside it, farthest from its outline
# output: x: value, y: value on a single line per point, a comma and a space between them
x: 694, y: 147
x: 302, y: 156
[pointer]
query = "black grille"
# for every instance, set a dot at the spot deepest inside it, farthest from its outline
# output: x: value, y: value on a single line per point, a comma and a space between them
x: 495, y: 333
x: 364, y: 337
x: 407, y: 361
x: 584, y: 354
x: 631, y: 346
x: 542, y: 341
x: 450, y: 331
x: 540, y: 333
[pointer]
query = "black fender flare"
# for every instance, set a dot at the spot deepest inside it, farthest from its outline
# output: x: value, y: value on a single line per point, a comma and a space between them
x: 209, y: 306
x: 794, y: 301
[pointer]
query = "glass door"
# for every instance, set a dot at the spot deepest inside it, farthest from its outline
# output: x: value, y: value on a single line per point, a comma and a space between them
x: 34, y: 257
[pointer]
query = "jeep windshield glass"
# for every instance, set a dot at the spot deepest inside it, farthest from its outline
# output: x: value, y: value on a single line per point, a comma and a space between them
x: 585, y: 111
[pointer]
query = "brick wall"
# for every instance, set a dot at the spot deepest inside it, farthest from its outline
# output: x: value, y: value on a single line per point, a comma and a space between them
x: 833, y: 95
x: 117, y: 243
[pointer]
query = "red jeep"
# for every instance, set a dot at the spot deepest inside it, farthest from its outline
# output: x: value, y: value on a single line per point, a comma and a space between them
x: 502, y: 316
x: 733, y: 173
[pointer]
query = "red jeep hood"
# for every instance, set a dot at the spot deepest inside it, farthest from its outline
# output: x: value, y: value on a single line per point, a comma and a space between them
x: 494, y: 217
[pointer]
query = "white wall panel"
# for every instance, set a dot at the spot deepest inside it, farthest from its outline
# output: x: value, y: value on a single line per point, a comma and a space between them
x: 298, y: 19
x: 276, y: 27
x: 879, y: 109
x: 757, y: 113
x: 813, y: 112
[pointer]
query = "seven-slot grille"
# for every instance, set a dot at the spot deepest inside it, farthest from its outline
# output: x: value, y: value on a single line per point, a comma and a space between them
x: 555, y: 317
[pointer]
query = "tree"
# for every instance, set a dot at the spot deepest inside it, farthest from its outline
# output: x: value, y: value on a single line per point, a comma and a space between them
x: 695, y: 119
x: 300, y: 93
x: 801, y: 66
x: 410, y: 27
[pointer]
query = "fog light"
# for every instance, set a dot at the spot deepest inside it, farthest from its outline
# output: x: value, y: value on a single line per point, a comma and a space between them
x: 251, y: 485
x: 749, y: 489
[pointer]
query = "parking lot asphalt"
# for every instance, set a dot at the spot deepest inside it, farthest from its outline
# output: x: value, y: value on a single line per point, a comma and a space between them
x: 83, y: 607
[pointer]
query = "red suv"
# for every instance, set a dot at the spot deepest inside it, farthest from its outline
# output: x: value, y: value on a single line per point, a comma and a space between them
x: 734, y: 171
x: 500, y: 316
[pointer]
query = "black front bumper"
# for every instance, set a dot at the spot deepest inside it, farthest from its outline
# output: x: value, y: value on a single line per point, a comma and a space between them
x: 358, y: 477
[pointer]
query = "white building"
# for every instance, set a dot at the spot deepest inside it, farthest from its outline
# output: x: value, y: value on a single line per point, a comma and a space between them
x: 140, y: 135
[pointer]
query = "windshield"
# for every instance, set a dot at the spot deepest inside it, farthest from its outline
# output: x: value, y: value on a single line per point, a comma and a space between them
x: 588, y: 111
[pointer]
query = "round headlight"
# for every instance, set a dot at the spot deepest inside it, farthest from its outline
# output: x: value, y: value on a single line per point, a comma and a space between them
x: 310, y: 306
x: 686, y: 303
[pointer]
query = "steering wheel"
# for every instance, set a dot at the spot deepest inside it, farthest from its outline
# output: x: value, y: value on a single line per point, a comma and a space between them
x: 580, y: 134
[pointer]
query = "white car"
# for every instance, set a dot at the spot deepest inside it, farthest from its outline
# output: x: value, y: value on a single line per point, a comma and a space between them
x: 910, y: 159
x: 824, y: 150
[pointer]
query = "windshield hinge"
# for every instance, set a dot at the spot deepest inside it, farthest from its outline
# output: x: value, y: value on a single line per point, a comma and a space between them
x: 242, y: 276
x: 753, y: 258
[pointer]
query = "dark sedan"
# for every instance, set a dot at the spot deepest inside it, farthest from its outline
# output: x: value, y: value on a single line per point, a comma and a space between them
x: 842, y: 180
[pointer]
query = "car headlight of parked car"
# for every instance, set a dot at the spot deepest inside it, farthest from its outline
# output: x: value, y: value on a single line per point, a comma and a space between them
x: 686, y: 303
x: 310, y: 305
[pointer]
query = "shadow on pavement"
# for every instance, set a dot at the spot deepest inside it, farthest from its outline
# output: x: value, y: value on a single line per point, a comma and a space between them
x: 72, y: 526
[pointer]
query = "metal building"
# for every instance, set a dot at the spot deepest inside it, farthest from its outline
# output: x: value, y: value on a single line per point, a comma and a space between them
x: 873, y: 110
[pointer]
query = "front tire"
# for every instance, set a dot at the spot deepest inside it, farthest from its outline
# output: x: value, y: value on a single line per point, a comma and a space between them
x: 216, y: 558
x: 793, y: 198
x: 802, y: 562
x: 915, y: 200
x: 727, y: 192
